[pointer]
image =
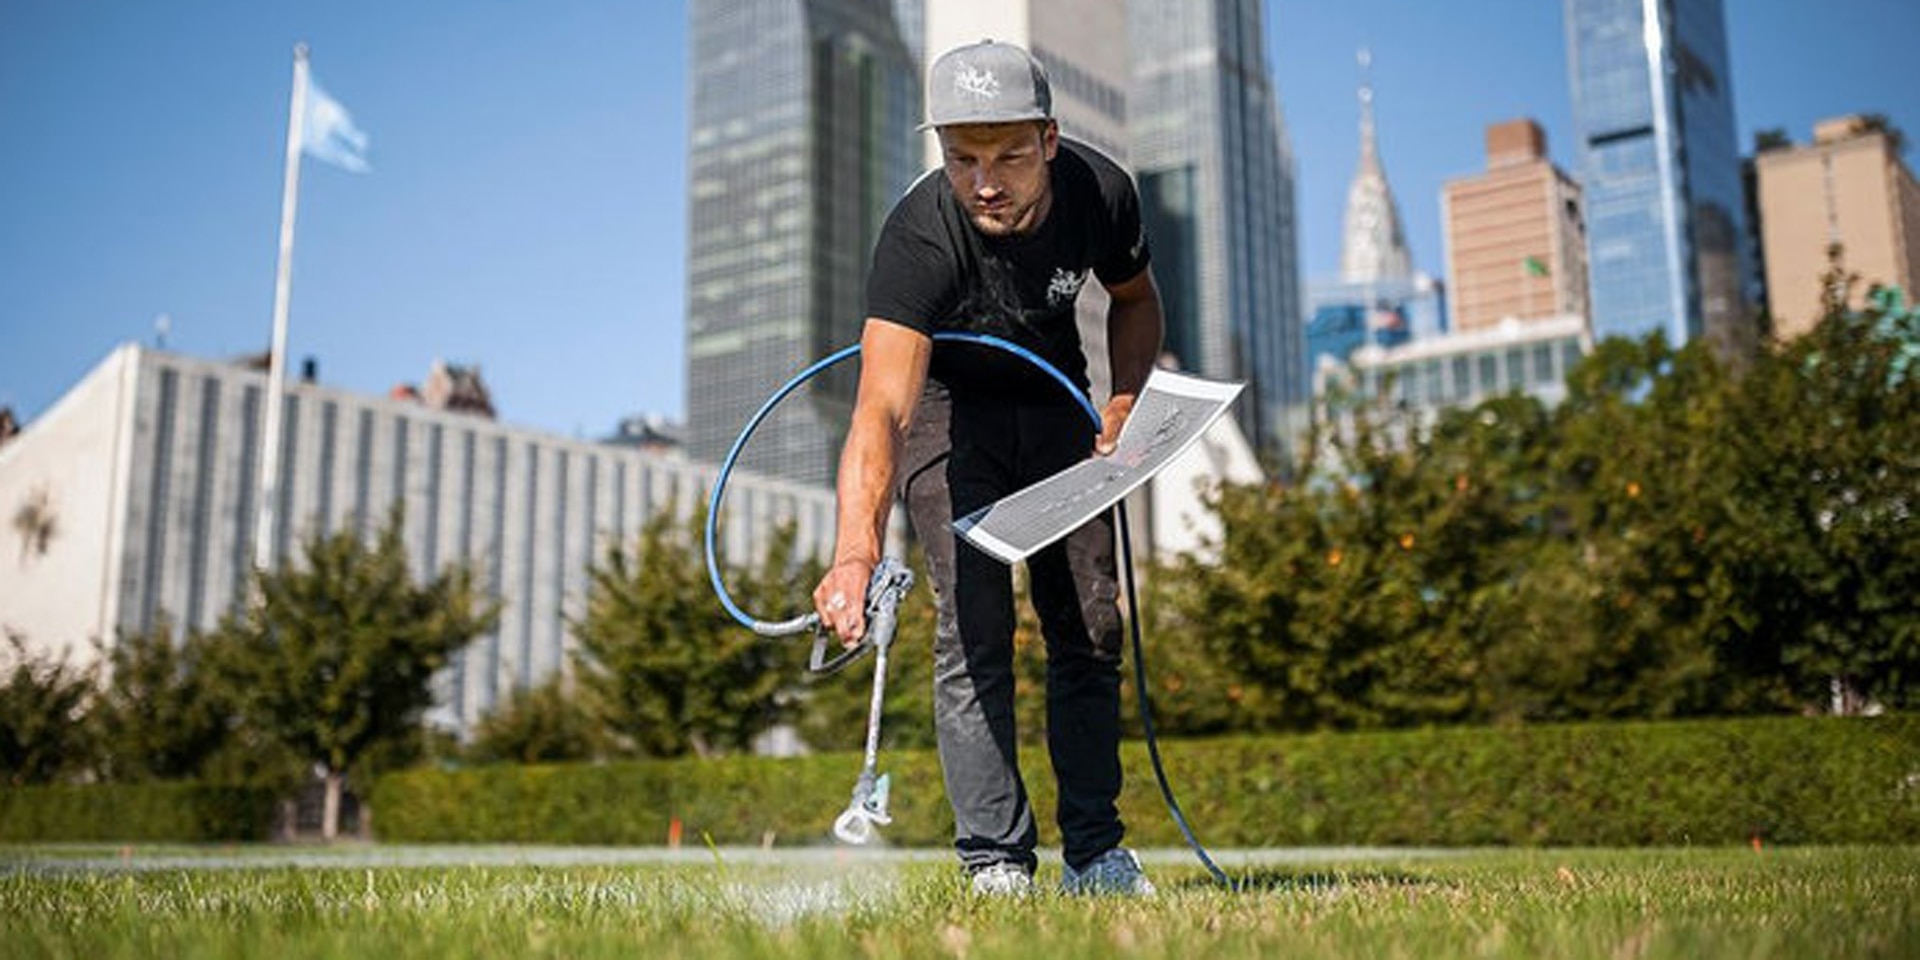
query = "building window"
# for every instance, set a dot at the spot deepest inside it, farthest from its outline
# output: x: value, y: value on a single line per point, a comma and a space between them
x: 1543, y: 363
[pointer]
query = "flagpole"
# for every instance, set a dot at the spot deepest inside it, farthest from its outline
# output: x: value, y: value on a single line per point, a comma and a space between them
x: 263, y: 558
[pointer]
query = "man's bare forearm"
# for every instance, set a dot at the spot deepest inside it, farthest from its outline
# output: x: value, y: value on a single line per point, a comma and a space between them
x: 1135, y: 326
x: 893, y: 368
x: 865, y: 486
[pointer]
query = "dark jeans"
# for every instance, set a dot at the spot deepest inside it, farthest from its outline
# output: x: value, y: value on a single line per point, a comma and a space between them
x: 963, y: 454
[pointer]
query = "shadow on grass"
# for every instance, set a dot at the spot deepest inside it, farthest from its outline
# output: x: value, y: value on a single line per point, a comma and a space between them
x: 1321, y: 882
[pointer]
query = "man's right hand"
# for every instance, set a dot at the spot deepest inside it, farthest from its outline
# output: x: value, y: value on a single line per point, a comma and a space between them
x: 893, y: 369
x: 841, y: 600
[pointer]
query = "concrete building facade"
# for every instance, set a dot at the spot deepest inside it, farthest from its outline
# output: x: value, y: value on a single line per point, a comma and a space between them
x: 1848, y: 188
x: 1426, y: 377
x: 1515, y: 235
x: 148, y: 470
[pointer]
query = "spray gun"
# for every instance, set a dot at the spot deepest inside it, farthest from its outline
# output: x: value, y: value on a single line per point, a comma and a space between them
x: 885, y: 589
x: 889, y: 584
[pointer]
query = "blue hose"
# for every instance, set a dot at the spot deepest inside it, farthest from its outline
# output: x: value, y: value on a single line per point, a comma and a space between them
x: 777, y: 628
x: 805, y: 621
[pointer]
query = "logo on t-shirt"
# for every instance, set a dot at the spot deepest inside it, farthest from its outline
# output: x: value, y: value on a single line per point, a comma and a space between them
x: 1064, y: 286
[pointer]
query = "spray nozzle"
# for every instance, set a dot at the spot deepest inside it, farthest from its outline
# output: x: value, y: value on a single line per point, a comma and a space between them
x: 867, y: 810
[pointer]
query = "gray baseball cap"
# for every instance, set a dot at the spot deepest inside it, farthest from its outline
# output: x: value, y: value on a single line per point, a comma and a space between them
x: 987, y: 82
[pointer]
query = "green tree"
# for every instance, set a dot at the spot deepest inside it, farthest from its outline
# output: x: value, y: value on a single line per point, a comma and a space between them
x: 334, y: 660
x: 1319, y: 593
x: 43, y: 704
x: 1646, y: 475
x: 162, y: 713
x: 1829, y: 494
x: 664, y: 666
x: 1193, y: 689
x: 544, y: 724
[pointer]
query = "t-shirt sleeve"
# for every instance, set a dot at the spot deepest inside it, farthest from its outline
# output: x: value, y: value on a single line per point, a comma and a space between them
x: 1126, y: 254
x: 912, y: 279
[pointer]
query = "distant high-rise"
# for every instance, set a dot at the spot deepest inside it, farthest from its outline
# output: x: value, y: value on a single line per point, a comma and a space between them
x: 802, y: 137
x: 1516, y: 236
x: 1373, y: 246
x: 1216, y: 179
x: 1378, y: 298
x: 1847, y: 188
x: 1653, y: 104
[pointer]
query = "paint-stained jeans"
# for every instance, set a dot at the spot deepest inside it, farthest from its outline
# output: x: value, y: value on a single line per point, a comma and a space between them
x: 960, y: 455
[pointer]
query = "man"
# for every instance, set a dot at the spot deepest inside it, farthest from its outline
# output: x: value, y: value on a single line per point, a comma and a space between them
x: 1001, y: 245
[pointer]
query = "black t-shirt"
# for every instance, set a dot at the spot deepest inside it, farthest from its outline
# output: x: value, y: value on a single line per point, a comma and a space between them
x: 933, y: 272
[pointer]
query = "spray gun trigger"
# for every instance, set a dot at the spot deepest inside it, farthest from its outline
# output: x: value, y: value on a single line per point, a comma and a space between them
x: 885, y: 589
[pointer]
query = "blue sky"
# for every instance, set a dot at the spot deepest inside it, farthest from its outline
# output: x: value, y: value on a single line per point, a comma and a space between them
x: 527, y: 211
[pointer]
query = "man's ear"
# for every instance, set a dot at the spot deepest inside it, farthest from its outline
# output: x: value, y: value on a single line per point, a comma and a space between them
x: 1050, y: 138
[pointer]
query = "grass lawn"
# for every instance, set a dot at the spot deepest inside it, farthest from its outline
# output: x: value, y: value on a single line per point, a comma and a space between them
x: 1849, y: 902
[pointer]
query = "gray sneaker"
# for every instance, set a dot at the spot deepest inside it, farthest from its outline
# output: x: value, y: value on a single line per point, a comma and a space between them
x: 1002, y: 880
x: 1116, y: 872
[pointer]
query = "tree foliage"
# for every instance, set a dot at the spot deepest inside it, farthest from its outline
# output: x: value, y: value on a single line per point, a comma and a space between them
x: 162, y: 713
x: 1676, y: 538
x: 663, y: 665
x: 1831, y: 433
x: 542, y: 724
x: 335, y: 658
x: 43, y: 701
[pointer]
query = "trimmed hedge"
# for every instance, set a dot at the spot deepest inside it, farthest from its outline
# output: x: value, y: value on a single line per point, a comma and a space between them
x: 1787, y: 780
x: 154, y: 812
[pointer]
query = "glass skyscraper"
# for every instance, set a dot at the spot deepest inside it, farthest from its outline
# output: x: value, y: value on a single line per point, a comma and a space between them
x: 1216, y: 182
x: 1653, y: 106
x: 802, y: 138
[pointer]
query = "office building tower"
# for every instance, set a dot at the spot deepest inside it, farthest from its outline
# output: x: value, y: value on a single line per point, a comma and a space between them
x: 1373, y: 247
x: 1653, y: 104
x: 146, y: 478
x: 1216, y: 178
x: 802, y: 138
x: 1847, y: 189
x: 1516, y: 235
x: 1378, y: 299
x: 910, y: 16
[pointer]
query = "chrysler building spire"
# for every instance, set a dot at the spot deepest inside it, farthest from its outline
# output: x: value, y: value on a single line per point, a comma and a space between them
x: 1373, y: 248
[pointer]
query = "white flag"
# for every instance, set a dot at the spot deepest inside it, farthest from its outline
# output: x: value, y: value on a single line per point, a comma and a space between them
x: 327, y: 132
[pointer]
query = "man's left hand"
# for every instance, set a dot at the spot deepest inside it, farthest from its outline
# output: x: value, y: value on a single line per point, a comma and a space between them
x: 1111, y: 420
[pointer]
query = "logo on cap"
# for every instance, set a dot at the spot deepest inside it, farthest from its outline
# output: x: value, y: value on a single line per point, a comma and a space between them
x: 975, y: 82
